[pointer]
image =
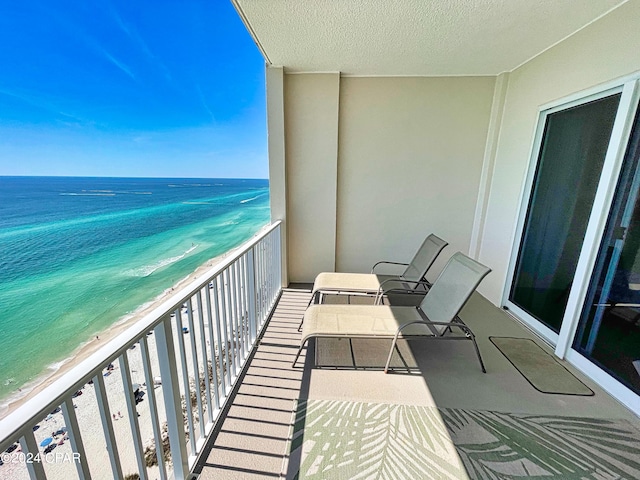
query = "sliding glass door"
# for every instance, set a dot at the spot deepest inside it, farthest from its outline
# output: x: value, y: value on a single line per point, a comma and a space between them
x: 574, y: 276
x: 609, y: 329
x: 570, y: 160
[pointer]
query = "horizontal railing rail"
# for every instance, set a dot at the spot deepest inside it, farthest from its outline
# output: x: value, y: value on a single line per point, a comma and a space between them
x: 192, y: 348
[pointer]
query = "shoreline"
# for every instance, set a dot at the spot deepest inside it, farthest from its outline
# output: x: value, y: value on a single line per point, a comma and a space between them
x: 88, y: 347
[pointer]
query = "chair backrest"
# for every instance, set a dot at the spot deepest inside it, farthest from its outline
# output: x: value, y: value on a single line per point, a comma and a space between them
x: 424, y: 258
x: 453, y: 287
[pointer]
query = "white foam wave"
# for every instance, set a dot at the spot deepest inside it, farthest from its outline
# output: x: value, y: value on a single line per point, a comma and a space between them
x: 89, y: 194
x: 57, y: 365
x: 103, y: 193
x: 147, y: 270
x: 180, y: 185
x: 24, y: 390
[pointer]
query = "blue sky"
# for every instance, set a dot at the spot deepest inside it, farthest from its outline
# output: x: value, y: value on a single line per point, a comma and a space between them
x: 119, y: 88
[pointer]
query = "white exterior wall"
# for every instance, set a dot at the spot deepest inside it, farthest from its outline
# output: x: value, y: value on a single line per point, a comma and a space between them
x: 410, y: 158
x: 311, y: 150
x: 373, y: 165
x: 277, y: 164
x: 603, y: 51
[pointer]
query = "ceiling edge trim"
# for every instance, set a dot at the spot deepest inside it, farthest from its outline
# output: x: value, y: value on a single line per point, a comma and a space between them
x: 313, y: 72
x: 247, y: 25
x: 461, y: 75
x: 570, y: 35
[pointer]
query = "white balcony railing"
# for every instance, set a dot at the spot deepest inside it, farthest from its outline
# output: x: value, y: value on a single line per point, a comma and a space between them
x: 187, y: 355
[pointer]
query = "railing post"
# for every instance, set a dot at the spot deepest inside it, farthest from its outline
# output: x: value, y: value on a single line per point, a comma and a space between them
x: 205, y: 360
x: 251, y: 294
x: 185, y: 379
x: 107, y: 425
x: 196, y: 370
x: 214, y: 363
x: 281, y: 259
x: 153, y: 408
x: 29, y: 445
x: 132, y: 412
x: 171, y: 395
x: 75, y: 438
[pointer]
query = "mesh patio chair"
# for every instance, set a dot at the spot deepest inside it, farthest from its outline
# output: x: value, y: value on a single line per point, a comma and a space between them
x: 436, y: 317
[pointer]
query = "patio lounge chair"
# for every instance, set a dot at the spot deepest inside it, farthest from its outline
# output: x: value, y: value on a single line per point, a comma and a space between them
x: 436, y: 317
x: 411, y: 280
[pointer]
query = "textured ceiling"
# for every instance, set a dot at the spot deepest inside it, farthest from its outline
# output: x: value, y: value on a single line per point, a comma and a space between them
x: 412, y: 37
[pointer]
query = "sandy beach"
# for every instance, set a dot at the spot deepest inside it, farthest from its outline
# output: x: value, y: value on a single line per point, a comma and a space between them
x: 85, y: 403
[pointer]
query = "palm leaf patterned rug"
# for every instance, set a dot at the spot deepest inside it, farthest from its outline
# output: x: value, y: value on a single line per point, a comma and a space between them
x: 354, y: 440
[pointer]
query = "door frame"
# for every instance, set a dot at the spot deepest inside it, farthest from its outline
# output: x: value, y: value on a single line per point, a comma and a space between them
x: 629, y: 87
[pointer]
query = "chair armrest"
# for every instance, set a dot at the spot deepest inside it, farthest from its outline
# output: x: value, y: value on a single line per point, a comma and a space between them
x: 461, y: 326
x: 389, y: 263
x: 385, y: 288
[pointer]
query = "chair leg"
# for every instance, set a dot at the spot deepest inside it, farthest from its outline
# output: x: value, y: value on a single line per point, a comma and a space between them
x: 312, y: 300
x: 393, y: 347
x: 473, y: 339
x: 298, y: 354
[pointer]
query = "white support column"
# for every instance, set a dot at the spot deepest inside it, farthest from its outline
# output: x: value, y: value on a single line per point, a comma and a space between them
x: 488, y: 163
x: 107, y: 426
x: 132, y: 411
x: 153, y: 407
x: 277, y: 158
x: 75, y: 438
x: 171, y: 394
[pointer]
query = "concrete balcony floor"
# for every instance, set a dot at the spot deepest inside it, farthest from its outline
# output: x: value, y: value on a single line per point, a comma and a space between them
x: 252, y: 441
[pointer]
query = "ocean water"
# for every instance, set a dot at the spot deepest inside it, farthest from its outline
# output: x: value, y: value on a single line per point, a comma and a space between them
x: 78, y: 254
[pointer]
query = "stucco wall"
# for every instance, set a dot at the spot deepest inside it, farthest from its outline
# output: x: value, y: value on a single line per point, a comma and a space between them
x: 603, y: 51
x: 311, y: 148
x: 409, y: 163
x: 375, y: 164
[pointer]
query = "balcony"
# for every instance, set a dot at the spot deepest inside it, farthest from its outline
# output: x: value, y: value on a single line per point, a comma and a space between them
x: 238, y: 325
x: 253, y: 440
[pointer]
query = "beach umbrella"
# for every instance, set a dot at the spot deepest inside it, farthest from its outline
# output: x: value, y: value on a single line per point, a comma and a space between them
x: 46, y: 441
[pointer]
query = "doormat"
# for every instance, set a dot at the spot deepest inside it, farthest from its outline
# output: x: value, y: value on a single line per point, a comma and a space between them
x: 540, y: 369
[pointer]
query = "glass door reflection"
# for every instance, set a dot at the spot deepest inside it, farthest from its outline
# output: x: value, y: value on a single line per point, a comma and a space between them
x: 609, y: 329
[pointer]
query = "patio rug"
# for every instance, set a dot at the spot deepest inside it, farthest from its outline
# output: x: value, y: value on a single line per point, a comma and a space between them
x: 541, y: 370
x: 354, y: 440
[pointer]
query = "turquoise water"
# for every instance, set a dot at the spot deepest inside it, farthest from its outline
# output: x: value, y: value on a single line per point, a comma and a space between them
x: 78, y: 254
